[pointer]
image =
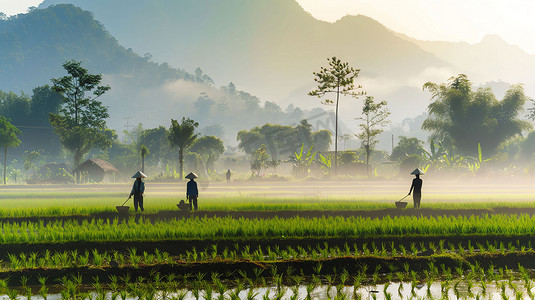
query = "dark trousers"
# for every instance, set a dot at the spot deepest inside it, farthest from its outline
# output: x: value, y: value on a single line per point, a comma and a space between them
x: 138, y: 201
x: 416, y: 197
x: 192, y: 200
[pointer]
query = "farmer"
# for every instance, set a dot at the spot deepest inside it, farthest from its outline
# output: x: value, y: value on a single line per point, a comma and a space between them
x: 137, y: 190
x: 183, y: 206
x: 228, y: 175
x: 191, y: 190
x: 417, y: 187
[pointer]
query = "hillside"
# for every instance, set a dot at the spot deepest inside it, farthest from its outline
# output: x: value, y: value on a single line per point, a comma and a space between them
x: 271, y: 47
x: 492, y: 56
x: 35, y: 45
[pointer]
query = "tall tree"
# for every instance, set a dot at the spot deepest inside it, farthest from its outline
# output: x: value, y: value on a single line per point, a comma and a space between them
x: 210, y: 148
x: 156, y: 139
x: 337, y: 78
x: 374, y: 119
x: 81, y: 122
x: 407, y: 146
x: 182, y: 135
x: 8, y: 139
x: 29, y: 158
x: 463, y: 118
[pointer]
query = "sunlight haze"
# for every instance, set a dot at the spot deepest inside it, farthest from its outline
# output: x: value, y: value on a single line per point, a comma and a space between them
x: 420, y: 19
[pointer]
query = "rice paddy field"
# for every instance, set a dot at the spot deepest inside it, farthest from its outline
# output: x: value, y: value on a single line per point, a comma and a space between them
x: 280, y: 240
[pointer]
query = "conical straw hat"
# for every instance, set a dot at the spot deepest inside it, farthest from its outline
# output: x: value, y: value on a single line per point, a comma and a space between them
x: 192, y: 175
x: 418, y: 172
x: 139, y: 174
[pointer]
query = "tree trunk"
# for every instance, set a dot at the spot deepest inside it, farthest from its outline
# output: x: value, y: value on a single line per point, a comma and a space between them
x: 336, y: 132
x: 143, y: 164
x: 77, y: 158
x: 5, y: 162
x: 368, y: 160
x: 181, y: 161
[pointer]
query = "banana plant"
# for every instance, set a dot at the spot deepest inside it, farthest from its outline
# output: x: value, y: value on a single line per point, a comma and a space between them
x: 434, y: 156
x: 478, y: 161
x: 325, y: 162
x: 301, y: 160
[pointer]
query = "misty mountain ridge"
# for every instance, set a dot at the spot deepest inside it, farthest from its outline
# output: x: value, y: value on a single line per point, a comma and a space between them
x: 272, y: 47
x: 491, y: 55
x: 35, y: 45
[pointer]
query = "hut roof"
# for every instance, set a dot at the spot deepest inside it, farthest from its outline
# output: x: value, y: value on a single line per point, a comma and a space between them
x: 99, y: 163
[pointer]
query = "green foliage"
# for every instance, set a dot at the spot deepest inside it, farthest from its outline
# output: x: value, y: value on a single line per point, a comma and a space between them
x: 210, y: 148
x: 29, y: 160
x: 408, y: 146
x: 8, y: 139
x: 182, y: 135
x: 32, y: 112
x: 463, y: 117
x: 373, y: 121
x: 81, y: 122
x: 283, y: 139
x: 302, y: 160
x: 325, y: 161
x: 259, y: 160
x: 156, y: 140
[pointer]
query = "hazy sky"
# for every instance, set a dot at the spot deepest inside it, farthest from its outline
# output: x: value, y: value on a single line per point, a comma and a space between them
x: 452, y: 20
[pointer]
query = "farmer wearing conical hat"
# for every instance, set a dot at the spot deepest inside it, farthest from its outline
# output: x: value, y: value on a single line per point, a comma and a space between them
x: 192, y: 193
x: 228, y: 174
x: 137, y: 190
x: 416, y: 187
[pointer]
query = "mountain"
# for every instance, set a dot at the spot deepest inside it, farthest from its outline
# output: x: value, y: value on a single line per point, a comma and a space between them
x: 271, y: 47
x: 490, y: 59
x: 34, y: 46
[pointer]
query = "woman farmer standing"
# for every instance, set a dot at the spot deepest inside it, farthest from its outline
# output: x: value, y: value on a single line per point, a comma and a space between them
x: 417, y: 186
x: 191, y: 190
x: 137, y: 190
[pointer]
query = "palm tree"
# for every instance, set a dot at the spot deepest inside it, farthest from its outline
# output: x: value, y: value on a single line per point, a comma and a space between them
x: 8, y: 138
x: 181, y: 136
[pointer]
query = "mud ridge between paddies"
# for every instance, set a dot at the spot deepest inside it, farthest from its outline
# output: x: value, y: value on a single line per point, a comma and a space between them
x: 181, y: 246
x: 283, y: 214
x: 237, y: 269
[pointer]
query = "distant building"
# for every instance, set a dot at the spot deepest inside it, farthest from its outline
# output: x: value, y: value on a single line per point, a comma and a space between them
x: 96, y: 170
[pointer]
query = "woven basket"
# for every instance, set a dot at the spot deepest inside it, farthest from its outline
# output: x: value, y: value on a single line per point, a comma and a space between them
x: 122, y: 209
x: 401, y: 204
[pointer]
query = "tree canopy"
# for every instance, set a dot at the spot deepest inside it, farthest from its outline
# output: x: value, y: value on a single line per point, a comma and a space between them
x: 80, y: 122
x: 463, y: 117
x: 407, y: 146
x: 283, y: 139
x: 210, y: 148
